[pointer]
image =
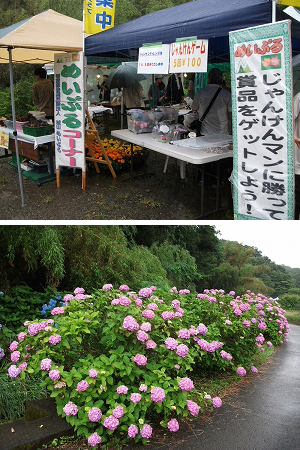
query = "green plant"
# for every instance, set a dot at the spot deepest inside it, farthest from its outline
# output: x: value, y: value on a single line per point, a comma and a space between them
x: 116, y: 360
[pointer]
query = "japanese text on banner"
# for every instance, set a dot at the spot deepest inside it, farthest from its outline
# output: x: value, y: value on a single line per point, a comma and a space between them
x: 69, y: 110
x: 189, y: 56
x: 99, y: 15
x: 262, y: 122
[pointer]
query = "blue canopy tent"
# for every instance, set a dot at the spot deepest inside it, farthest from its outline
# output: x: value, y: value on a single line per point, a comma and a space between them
x: 205, y: 19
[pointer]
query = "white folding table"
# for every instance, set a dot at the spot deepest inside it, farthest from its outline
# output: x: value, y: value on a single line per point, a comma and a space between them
x: 196, y: 154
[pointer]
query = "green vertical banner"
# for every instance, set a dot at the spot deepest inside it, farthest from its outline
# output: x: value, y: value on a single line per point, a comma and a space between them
x: 262, y: 121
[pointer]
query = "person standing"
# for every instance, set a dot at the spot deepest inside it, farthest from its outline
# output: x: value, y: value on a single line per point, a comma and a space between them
x: 297, y: 154
x: 133, y: 96
x: 219, y: 117
x: 104, y: 90
x: 175, y: 92
x: 158, y: 94
x: 43, y: 93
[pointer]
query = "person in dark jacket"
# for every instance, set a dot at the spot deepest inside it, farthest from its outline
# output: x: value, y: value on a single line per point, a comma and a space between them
x: 175, y: 93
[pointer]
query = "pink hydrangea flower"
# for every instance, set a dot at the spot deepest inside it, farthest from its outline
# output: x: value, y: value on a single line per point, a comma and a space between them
x: 186, y: 384
x: 184, y: 333
x: 182, y: 350
x: 146, y: 326
x: 54, y: 339
x: 157, y: 394
x: 124, y: 287
x: 193, y: 407
x: 173, y: 425
x: 246, y: 322
x: 13, y: 371
x: 124, y: 301
x: 135, y: 397
x: 15, y: 356
x: 133, y: 430
x: 167, y: 315
x: 54, y: 374
x: 143, y: 387
x: 118, y: 411
x: 70, y: 409
x: 216, y: 402
x: 68, y: 298
x: 140, y: 360
x: 150, y: 344
x: 254, y: 369
x: 95, y: 414
x: 152, y: 306
x: 83, y: 385
x: 145, y: 292
x: 23, y: 365
x: 142, y: 336
x: 34, y: 328
x: 111, y: 422
x: 148, y: 313
x: 226, y: 355
x: 146, y: 431
x: 241, y: 371
x: 80, y: 297
x: 93, y: 373
x: 21, y: 336
x: 94, y: 439
x: 202, y: 329
x: 13, y: 346
x: 175, y: 303
x: 107, y: 287
x: 184, y: 291
x: 122, y: 389
x: 115, y: 301
x: 58, y: 310
x: 176, y: 366
x: 130, y: 323
x: 139, y: 302
x: 79, y: 290
x: 171, y: 343
x: 269, y: 344
x: 46, y: 364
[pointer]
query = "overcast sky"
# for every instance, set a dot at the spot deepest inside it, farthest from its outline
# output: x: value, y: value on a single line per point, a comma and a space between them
x: 279, y: 240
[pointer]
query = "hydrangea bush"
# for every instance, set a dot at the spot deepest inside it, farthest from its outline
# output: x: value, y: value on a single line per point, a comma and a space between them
x: 116, y: 360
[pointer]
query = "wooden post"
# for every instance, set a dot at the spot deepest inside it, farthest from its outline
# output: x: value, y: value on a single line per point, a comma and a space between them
x: 58, y: 177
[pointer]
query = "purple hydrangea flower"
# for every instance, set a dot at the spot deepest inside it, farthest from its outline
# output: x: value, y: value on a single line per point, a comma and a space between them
x: 111, y: 422
x: 13, y: 346
x: 241, y: 371
x: 83, y: 385
x: 216, y: 402
x: 54, y: 374
x: 13, y: 371
x: 157, y: 394
x: 135, y: 397
x: 193, y: 407
x: 95, y: 414
x: 118, y: 411
x: 184, y: 333
x: 182, y: 350
x: 133, y: 430
x: 70, y: 409
x: 202, y: 329
x: 150, y: 344
x: 142, y: 336
x: 140, y: 360
x: 173, y: 425
x: 186, y: 384
x: 54, y: 339
x: 130, y: 323
x: 93, y: 373
x: 94, y: 439
x: 46, y: 364
x: 15, y: 356
x: 146, y: 431
x: 175, y: 303
x: 171, y: 343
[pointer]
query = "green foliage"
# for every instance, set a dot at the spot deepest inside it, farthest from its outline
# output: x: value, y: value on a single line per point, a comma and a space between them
x: 110, y: 330
x: 15, y: 392
x: 290, y: 301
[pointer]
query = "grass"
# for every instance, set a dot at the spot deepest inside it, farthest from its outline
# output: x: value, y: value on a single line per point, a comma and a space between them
x: 293, y: 316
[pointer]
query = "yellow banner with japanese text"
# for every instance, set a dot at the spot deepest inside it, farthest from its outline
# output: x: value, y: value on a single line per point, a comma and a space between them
x: 99, y: 15
x: 289, y: 3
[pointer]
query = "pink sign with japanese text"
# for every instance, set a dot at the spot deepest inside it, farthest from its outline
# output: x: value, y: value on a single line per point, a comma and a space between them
x: 69, y: 115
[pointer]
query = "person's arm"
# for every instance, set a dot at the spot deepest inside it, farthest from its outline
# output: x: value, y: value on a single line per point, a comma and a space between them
x: 297, y: 140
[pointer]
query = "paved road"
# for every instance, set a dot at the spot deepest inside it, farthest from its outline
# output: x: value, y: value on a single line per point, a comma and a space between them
x: 263, y: 415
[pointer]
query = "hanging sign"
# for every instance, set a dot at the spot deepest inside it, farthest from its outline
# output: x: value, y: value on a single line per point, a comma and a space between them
x: 99, y: 15
x: 188, y: 55
x: 4, y: 137
x: 263, y: 166
x: 69, y: 110
x: 289, y: 2
x: 153, y: 58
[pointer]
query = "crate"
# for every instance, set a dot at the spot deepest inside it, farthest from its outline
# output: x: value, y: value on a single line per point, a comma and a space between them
x: 10, y: 125
x: 38, y: 131
x: 140, y: 121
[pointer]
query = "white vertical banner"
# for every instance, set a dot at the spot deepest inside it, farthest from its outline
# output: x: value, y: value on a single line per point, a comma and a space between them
x: 262, y: 118
x: 69, y: 114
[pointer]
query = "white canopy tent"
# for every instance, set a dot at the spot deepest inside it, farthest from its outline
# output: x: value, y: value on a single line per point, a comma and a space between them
x: 34, y: 41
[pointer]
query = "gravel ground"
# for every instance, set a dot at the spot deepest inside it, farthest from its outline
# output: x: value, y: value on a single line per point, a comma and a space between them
x: 154, y: 197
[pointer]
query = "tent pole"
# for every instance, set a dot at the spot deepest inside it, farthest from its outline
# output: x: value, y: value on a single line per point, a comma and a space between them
x: 12, y: 97
x: 274, y: 2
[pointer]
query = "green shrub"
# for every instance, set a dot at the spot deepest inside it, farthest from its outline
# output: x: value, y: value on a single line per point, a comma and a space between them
x: 290, y: 301
x: 117, y: 360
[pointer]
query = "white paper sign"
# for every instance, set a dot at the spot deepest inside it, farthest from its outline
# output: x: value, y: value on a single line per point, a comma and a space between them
x: 262, y: 122
x: 69, y: 112
x: 188, y: 56
x: 154, y: 59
